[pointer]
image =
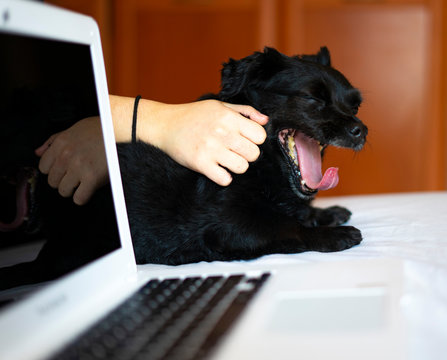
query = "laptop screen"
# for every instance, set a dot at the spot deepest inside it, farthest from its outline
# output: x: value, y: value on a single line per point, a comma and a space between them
x: 46, y: 87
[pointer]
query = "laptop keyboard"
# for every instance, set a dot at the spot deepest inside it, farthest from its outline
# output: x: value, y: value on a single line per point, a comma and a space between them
x: 168, y: 319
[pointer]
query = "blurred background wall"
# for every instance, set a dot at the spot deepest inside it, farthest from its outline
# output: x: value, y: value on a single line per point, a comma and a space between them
x: 394, y: 51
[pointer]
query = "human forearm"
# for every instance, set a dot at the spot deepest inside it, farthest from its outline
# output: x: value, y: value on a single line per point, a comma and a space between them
x: 207, y: 136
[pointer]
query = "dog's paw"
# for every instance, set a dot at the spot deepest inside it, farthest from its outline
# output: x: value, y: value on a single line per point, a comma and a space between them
x: 336, y: 215
x: 332, y: 216
x: 351, y: 236
x: 344, y: 237
x: 338, y: 238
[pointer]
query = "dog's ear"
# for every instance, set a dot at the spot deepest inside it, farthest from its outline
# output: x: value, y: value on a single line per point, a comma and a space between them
x: 236, y: 74
x: 322, y: 57
x: 233, y: 77
x: 273, y: 57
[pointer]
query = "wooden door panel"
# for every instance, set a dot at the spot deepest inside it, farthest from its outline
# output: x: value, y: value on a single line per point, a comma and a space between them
x: 180, y: 55
x: 173, y: 51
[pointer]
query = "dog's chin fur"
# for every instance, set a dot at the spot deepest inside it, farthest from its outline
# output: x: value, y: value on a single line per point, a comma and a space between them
x: 179, y: 216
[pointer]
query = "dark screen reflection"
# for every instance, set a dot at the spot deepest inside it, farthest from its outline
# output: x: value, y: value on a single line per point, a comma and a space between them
x: 45, y: 87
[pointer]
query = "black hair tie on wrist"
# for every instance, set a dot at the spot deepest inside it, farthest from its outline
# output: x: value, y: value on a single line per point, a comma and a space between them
x: 134, y: 119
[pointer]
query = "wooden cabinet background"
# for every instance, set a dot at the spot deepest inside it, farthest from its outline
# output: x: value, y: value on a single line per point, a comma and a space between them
x: 394, y: 51
x: 172, y: 51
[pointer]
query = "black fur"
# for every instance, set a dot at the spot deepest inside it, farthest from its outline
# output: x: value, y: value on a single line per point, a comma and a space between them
x: 179, y: 216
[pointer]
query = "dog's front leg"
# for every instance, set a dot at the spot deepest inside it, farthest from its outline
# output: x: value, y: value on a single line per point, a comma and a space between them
x: 322, y: 239
x: 329, y: 239
x: 332, y: 216
x: 284, y: 237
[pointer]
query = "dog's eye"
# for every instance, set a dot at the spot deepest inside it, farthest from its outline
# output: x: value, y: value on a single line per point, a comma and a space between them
x: 310, y: 99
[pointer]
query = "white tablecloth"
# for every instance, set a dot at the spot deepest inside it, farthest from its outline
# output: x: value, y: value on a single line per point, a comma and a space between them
x: 407, y: 226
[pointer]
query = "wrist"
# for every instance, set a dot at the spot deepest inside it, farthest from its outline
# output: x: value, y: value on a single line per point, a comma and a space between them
x: 121, y: 108
x: 150, y: 119
x: 135, y: 118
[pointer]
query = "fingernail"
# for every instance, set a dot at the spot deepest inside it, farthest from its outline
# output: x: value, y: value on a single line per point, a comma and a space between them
x: 228, y: 179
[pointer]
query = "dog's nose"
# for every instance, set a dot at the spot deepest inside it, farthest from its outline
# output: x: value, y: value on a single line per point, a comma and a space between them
x: 358, y: 130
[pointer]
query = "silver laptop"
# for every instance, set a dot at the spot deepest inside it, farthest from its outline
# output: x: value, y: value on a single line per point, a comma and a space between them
x: 61, y: 298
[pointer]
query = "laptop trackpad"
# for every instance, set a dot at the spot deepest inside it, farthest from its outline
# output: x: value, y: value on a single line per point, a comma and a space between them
x: 329, y: 311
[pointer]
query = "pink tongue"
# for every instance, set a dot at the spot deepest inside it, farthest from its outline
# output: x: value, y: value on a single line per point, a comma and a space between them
x: 309, y: 158
x: 21, y: 206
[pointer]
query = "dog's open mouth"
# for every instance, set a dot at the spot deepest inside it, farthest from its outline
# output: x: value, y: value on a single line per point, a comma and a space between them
x: 17, y: 194
x: 304, y: 157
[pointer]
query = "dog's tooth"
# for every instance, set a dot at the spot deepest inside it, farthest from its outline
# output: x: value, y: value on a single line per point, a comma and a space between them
x: 291, y: 145
x: 321, y: 147
x: 303, y: 182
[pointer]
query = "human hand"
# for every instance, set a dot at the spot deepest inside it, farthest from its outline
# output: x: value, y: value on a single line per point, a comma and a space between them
x: 75, y: 160
x: 209, y: 136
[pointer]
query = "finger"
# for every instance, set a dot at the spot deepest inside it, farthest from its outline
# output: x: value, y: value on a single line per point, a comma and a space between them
x: 249, y: 112
x: 245, y: 148
x: 233, y: 162
x: 48, y: 157
x: 218, y: 174
x: 44, y: 147
x: 68, y: 185
x: 55, y: 176
x: 252, y: 131
x: 83, y: 193
x: 46, y: 162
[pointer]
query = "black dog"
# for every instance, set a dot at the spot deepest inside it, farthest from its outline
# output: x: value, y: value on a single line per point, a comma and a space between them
x: 179, y: 216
